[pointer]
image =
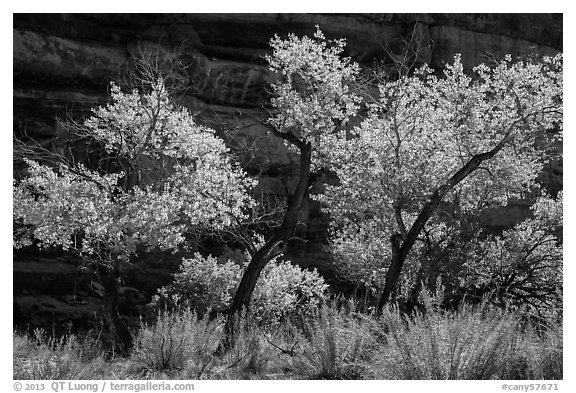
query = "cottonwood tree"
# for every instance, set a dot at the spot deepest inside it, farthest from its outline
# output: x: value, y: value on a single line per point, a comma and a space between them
x: 162, y: 178
x: 465, y: 141
x: 312, y: 100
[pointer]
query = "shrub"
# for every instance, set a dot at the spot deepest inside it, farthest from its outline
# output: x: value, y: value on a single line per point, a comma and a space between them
x: 250, y: 356
x: 472, y: 343
x: 538, y: 355
x: 177, y: 341
x: 202, y: 283
x: 205, y: 284
x: 42, y: 357
x: 182, y: 345
x: 337, y: 344
x: 522, y: 267
x: 286, y: 290
x: 359, y: 255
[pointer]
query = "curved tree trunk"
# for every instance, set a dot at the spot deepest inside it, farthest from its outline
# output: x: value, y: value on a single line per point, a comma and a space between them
x: 271, y: 248
x: 401, y: 248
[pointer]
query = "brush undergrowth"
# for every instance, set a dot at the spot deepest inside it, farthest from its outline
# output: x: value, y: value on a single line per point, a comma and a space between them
x: 179, y: 342
x: 38, y: 356
x: 337, y: 342
x: 474, y: 342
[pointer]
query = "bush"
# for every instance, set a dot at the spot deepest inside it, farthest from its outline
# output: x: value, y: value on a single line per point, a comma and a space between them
x: 177, y: 341
x: 337, y: 344
x: 41, y: 357
x: 472, y: 343
x: 538, y: 355
x: 205, y: 284
x: 182, y: 345
x: 251, y: 356
x: 285, y: 290
x: 202, y: 283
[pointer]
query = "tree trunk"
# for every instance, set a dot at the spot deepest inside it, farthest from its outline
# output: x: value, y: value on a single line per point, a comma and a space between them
x: 271, y: 248
x: 122, y: 337
x: 393, y: 273
x: 401, y: 249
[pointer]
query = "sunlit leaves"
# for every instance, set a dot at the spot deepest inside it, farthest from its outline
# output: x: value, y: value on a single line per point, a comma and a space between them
x: 313, y: 96
x: 204, y: 283
x: 424, y: 128
x: 176, y: 176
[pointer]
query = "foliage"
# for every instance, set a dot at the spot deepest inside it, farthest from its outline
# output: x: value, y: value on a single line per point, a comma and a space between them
x: 163, y: 177
x: 205, y: 284
x: 360, y: 255
x: 312, y: 97
x: 422, y: 131
x: 424, y: 128
x: 160, y: 179
x: 202, y: 283
x: 286, y: 290
x: 173, y: 176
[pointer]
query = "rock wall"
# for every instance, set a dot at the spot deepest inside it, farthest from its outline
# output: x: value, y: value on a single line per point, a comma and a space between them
x: 63, y: 64
x: 65, y: 61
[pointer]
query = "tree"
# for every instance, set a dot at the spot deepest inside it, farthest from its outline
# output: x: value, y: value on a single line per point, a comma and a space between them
x: 162, y: 178
x: 312, y: 101
x: 455, y: 140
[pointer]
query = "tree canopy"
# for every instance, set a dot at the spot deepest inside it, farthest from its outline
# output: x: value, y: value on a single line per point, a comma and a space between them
x: 468, y: 141
x: 172, y: 176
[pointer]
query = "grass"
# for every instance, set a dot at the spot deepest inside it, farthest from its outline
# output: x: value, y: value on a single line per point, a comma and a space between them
x: 337, y: 343
x: 177, y: 342
x: 41, y: 357
x: 463, y: 345
x: 538, y: 355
